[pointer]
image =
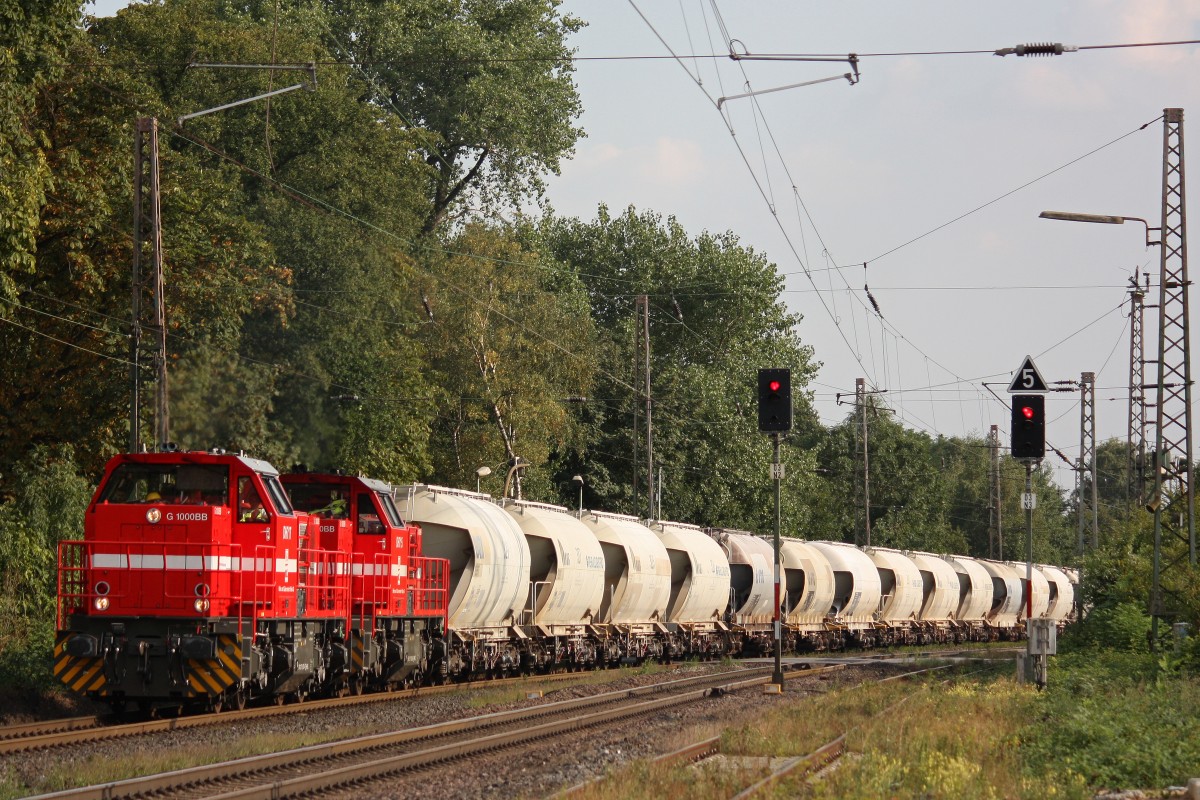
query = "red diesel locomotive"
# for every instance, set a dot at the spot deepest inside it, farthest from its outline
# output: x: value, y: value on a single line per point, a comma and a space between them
x: 199, y: 583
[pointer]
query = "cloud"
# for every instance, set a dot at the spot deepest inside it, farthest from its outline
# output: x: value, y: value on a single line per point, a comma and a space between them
x: 666, y: 161
x: 1158, y: 21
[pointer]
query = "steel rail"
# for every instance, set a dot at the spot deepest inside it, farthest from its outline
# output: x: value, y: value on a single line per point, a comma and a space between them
x: 29, y: 729
x: 374, y: 770
x: 807, y: 764
x: 58, y: 737
x: 245, y: 767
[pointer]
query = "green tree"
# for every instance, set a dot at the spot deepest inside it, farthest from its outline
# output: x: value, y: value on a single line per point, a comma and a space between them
x: 35, y: 37
x: 491, y: 82
x: 510, y: 339
x: 716, y: 316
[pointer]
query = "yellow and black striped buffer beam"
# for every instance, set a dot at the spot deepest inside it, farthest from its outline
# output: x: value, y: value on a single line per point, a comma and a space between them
x: 215, y: 675
x: 79, y: 674
x: 356, y: 651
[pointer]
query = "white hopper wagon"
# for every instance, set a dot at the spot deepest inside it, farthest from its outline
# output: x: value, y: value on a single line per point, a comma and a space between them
x: 566, y: 568
x: 699, y: 589
x: 902, y: 593
x: 940, y: 587
x: 751, y: 577
x: 975, y: 595
x: 1062, y: 593
x: 857, y: 590
x: 1040, y: 594
x: 637, y: 571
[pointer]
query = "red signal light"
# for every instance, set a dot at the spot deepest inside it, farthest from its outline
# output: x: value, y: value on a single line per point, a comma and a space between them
x: 774, y: 386
x: 1027, y: 412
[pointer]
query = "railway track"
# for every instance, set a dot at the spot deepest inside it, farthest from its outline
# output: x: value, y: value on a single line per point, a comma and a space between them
x: 11, y: 734
x: 78, y: 730
x: 334, y: 766
x: 781, y: 767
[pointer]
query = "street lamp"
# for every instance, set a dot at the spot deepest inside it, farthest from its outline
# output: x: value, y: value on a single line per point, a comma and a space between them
x: 578, y: 479
x: 1155, y: 504
x: 1103, y: 219
x: 480, y: 474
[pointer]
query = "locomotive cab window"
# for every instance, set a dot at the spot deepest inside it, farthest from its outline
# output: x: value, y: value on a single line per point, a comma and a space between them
x: 250, y: 503
x: 389, y: 508
x: 368, y: 515
x: 279, y: 497
x: 167, y: 483
x: 330, y: 502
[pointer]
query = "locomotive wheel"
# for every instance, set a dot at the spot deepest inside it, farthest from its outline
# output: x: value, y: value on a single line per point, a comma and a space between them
x: 216, y: 703
x: 356, y: 686
x: 279, y: 699
x: 237, y: 698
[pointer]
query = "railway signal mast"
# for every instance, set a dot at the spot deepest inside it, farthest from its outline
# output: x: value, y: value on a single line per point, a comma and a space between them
x: 775, y: 418
x: 1029, y: 445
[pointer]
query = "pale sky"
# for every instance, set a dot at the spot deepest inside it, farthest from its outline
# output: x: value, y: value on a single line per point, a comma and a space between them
x: 918, y: 142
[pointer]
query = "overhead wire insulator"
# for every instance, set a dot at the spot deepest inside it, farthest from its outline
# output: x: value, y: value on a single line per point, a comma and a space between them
x: 1038, y: 49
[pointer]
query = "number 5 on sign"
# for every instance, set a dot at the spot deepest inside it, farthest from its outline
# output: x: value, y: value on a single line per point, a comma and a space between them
x: 1027, y: 379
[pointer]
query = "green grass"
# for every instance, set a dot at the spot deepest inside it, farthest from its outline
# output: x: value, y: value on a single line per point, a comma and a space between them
x: 1107, y: 720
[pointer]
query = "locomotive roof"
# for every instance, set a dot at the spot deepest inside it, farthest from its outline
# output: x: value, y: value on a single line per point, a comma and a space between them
x: 336, y: 477
x: 197, y: 457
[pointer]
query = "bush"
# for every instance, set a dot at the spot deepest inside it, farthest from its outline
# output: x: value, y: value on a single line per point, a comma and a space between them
x: 1124, y: 627
x: 1116, y: 720
x: 48, y: 508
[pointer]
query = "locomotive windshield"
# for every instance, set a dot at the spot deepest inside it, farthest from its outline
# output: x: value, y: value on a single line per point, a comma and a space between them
x: 167, y: 483
x: 389, y: 508
x: 320, y: 498
x: 279, y: 497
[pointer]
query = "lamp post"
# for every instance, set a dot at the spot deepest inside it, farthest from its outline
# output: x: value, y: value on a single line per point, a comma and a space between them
x: 578, y: 479
x: 480, y: 474
x: 1173, y: 357
x: 1103, y: 219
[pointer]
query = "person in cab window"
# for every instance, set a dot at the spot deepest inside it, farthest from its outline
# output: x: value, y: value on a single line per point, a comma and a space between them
x: 153, y: 497
x: 250, y: 505
x: 338, y: 508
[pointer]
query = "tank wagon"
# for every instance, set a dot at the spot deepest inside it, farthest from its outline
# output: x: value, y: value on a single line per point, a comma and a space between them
x: 207, y: 579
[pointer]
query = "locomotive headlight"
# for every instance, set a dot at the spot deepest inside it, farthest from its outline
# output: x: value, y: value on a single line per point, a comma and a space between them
x: 201, y: 605
x: 101, y: 603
